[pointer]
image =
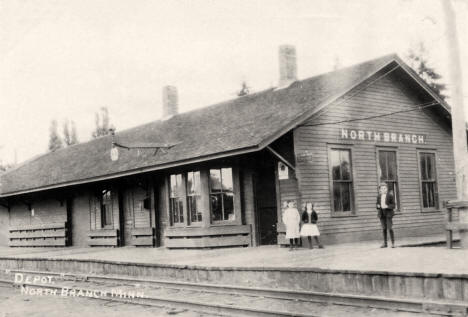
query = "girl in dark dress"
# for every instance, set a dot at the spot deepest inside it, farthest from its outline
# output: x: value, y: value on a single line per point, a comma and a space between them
x: 309, y: 227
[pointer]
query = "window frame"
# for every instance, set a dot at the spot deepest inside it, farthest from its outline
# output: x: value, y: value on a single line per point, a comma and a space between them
x: 236, y: 199
x: 221, y: 192
x: 189, y: 221
x: 183, y: 198
x: 379, y: 149
x: 418, y: 158
x: 106, y: 202
x: 352, y: 212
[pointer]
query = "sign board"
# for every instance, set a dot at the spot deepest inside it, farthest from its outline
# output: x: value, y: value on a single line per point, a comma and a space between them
x: 283, y: 171
x: 114, y: 153
x: 382, y: 136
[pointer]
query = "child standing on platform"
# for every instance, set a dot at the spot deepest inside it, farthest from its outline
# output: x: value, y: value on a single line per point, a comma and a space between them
x: 309, y: 228
x: 292, y: 220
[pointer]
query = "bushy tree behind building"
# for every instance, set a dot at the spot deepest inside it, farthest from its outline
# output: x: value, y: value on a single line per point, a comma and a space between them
x: 4, y: 167
x: 69, y: 133
x: 419, y: 61
x: 55, y: 141
x: 245, y: 90
x: 102, y: 122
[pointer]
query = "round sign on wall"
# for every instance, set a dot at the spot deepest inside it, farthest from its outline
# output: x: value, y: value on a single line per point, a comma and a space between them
x: 114, y: 153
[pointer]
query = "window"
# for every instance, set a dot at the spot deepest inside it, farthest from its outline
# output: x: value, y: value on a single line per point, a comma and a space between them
x: 387, y: 169
x: 176, y: 199
x: 341, y: 180
x: 429, y: 191
x: 106, y: 209
x: 222, y: 194
x: 194, y: 196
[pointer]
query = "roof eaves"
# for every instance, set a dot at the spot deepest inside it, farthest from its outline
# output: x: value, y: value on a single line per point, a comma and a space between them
x: 159, y: 167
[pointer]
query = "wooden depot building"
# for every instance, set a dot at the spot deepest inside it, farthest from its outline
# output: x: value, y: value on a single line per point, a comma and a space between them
x: 220, y: 176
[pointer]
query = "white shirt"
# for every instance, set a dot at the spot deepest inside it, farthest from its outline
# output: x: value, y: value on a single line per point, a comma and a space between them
x: 383, y: 205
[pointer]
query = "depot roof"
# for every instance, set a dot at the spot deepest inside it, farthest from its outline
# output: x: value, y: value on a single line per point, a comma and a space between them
x: 237, y: 126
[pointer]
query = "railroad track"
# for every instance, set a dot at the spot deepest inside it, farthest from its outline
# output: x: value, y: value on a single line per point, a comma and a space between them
x: 230, y: 300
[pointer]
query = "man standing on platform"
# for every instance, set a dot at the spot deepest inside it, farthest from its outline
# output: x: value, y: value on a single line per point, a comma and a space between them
x: 385, y: 212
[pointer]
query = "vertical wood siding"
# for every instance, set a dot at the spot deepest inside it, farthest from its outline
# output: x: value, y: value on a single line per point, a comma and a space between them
x: 382, y: 97
x: 80, y: 218
x: 4, y: 223
x: 46, y: 210
x: 248, y: 202
x: 95, y: 211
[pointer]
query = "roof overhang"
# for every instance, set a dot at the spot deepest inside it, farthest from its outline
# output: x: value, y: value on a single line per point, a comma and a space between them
x: 136, y: 171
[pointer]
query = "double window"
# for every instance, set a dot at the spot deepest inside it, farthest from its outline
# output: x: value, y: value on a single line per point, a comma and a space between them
x: 428, y: 177
x: 388, y: 172
x: 341, y: 180
x: 195, y: 192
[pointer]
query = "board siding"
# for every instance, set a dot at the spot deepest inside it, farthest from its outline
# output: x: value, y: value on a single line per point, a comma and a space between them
x: 382, y: 97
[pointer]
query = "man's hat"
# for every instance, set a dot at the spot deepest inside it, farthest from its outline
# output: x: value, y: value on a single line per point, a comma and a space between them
x: 383, y: 184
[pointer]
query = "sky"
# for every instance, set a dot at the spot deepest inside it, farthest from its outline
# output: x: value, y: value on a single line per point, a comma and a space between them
x: 67, y: 59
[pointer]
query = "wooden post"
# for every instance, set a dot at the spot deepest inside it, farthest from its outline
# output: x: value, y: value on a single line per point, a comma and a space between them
x: 458, y: 117
x: 205, y: 198
x: 448, y: 231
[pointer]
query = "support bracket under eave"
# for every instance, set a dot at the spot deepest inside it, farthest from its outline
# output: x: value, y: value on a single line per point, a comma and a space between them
x: 281, y: 158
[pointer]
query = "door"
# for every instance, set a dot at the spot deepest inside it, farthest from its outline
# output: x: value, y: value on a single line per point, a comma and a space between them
x: 267, y: 217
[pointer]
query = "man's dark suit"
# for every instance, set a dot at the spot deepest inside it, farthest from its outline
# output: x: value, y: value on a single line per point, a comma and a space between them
x: 386, y: 216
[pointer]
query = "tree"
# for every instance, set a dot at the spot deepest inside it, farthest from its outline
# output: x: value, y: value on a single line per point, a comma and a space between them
x: 244, y: 90
x: 73, y: 135
x: 418, y: 60
x: 69, y: 133
x: 336, y: 63
x: 4, y: 167
x: 66, y: 133
x: 102, y: 123
x: 55, y: 141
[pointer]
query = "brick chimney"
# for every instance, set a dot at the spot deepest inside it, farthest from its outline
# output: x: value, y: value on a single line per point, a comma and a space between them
x: 170, y: 101
x: 287, y: 65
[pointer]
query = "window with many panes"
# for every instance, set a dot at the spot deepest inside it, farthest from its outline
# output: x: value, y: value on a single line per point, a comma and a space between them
x: 222, y: 194
x: 341, y: 180
x: 388, y: 173
x: 194, y: 196
x: 428, y: 173
x: 176, y: 199
x: 106, y: 208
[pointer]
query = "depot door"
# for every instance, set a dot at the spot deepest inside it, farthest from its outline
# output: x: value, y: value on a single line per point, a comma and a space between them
x: 265, y: 194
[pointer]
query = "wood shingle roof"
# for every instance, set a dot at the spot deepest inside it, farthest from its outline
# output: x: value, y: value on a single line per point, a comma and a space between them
x: 237, y: 126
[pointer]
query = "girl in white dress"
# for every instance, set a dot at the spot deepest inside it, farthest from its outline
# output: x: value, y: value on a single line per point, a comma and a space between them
x: 292, y: 220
